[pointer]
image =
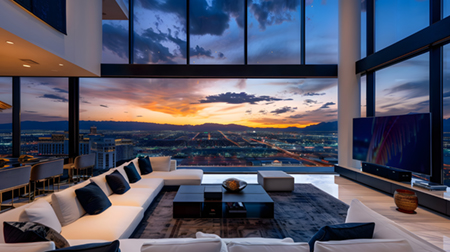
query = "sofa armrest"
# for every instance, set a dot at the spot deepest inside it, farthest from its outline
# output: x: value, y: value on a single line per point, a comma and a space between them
x: 173, y: 164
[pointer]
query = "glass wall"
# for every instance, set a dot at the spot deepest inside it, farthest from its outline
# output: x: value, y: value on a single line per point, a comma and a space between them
x: 321, y: 38
x: 363, y: 96
x: 274, y: 32
x: 397, y: 19
x: 403, y: 88
x: 115, y: 41
x: 446, y: 7
x: 160, y: 32
x: 44, y: 115
x: 214, y: 122
x: 5, y: 116
x: 217, y: 32
x: 446, y: 112
x: 363, y: 29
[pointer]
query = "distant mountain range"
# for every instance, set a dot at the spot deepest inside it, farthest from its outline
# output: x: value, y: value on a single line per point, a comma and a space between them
x: 125, y: 126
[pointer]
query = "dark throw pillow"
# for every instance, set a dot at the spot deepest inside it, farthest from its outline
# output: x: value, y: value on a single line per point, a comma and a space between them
x: 144, y: 165
x: 343, y: 232
x: 92, y: 199
x: 117, y: 182
x: 27, y: 231
x: 94, y: 247
x: 132, y: 173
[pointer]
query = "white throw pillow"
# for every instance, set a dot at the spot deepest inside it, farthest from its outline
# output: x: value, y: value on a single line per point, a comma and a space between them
x: 160, y: 163
x: 174, y: 245
x: 248, y: 246
x: 100, y: 180
x: 366, y: 245
x: 27, y: 246
x: 41, y: 212
x: 136, y: 164
x: 385, y: 228
x: 66, y: 205
x: 122, y: 170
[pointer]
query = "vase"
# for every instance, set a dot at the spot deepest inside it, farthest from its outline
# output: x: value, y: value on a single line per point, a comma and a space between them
x: 406, y: 201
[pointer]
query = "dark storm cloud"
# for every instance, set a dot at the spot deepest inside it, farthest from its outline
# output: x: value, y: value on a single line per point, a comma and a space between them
x: 313, y: 94
x: 446, y: 94
x: 60, y: 90
x: 101, y: 105
x: 86, y: 102
x: 327, y: 105
x: 238, y: 98
x: 200, y: 52
x: 412, y: 89
x: 309, y: 102
x: 283, y: 110
x: 54, y: 97
x: 248, y: 111
x: 273, y: 12
x: 114, y: 38
x: 221, y: 55
x: 264, y: 112
x: 205, y: 19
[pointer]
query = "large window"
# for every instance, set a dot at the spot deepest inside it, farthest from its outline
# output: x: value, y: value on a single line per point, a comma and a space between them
x: 215, y: 122
x: 363, y: 96
x: 160, y: 32
x: 5, y: 116
x: 446, y: 7
x: 321, y: 32
x: 446, y: 112
x: 274, y: 32
x: 44, y: 115
x: 217, y: 32
x: 115, y: 41
x: 403, y: 88
x: 397, y: 19
x: 363, y: 29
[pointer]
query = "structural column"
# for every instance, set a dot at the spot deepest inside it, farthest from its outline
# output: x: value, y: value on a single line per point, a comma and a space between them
x: 74, y: 117
x: 16, y: 131
x: 349, y: 104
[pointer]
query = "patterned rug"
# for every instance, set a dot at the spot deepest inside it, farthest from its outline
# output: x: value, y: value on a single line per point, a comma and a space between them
x: 298, y: 215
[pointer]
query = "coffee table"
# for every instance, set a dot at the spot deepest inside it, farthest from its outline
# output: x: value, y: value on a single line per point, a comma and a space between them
x: 189, y: 202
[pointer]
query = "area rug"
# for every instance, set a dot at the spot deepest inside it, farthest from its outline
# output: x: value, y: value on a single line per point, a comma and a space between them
x: 298, y: 215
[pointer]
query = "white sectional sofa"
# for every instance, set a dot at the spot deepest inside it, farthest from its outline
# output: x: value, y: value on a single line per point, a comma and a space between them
x: 122, y: 218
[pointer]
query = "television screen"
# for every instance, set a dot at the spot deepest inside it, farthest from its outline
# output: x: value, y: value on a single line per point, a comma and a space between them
x: 401, y: 142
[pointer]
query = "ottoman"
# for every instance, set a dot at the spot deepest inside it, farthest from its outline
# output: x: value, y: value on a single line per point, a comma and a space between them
x: 275, y: 181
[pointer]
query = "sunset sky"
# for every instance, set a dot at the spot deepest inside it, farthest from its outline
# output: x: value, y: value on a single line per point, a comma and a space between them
x: 217, y: 38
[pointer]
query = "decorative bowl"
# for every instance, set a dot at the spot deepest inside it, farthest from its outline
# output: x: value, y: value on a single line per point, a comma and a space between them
x: 234, y: 184
x: 406, y: 201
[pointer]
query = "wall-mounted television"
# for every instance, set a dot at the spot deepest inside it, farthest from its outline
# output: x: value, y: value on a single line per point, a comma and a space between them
x: 402, y: 142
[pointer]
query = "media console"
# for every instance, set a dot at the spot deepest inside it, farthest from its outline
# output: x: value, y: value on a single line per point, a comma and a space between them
x: 434, y: 200
x: 387, y: 172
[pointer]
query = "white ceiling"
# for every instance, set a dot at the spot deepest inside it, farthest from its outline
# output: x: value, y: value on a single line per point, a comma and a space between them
x: 11, y: 55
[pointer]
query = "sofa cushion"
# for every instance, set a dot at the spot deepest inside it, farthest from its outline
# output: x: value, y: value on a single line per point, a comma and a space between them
x: 66, y: 205
x: 138, y: 197
x: 117, y: 182
x: 131, y: 245
x: 248, y: 246
x: 100, y: 180
x: 364, y: 245
x: 92, y: 198
x: 18, y: 232
x: 160, y: 163
x: 173, y: 245
x: 41, y: 212
x: 132, y: 173
x: 385, y: 228
x: 153, y: 183
x: 178, y: 177
x: 114, y: 223
x: 94, y: 247
x: 27, y: 247
x: 144, y: 165
x: 343, y: 232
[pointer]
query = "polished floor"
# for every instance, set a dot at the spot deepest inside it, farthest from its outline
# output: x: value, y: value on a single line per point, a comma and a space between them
x: 431, y: 226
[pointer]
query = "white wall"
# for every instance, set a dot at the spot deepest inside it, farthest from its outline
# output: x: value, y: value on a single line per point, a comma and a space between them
x: 81, y: 46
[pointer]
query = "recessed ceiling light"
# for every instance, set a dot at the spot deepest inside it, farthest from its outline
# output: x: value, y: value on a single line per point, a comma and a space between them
x: 61, y: 64
x: 26, y: 65
x: 9, y: 42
